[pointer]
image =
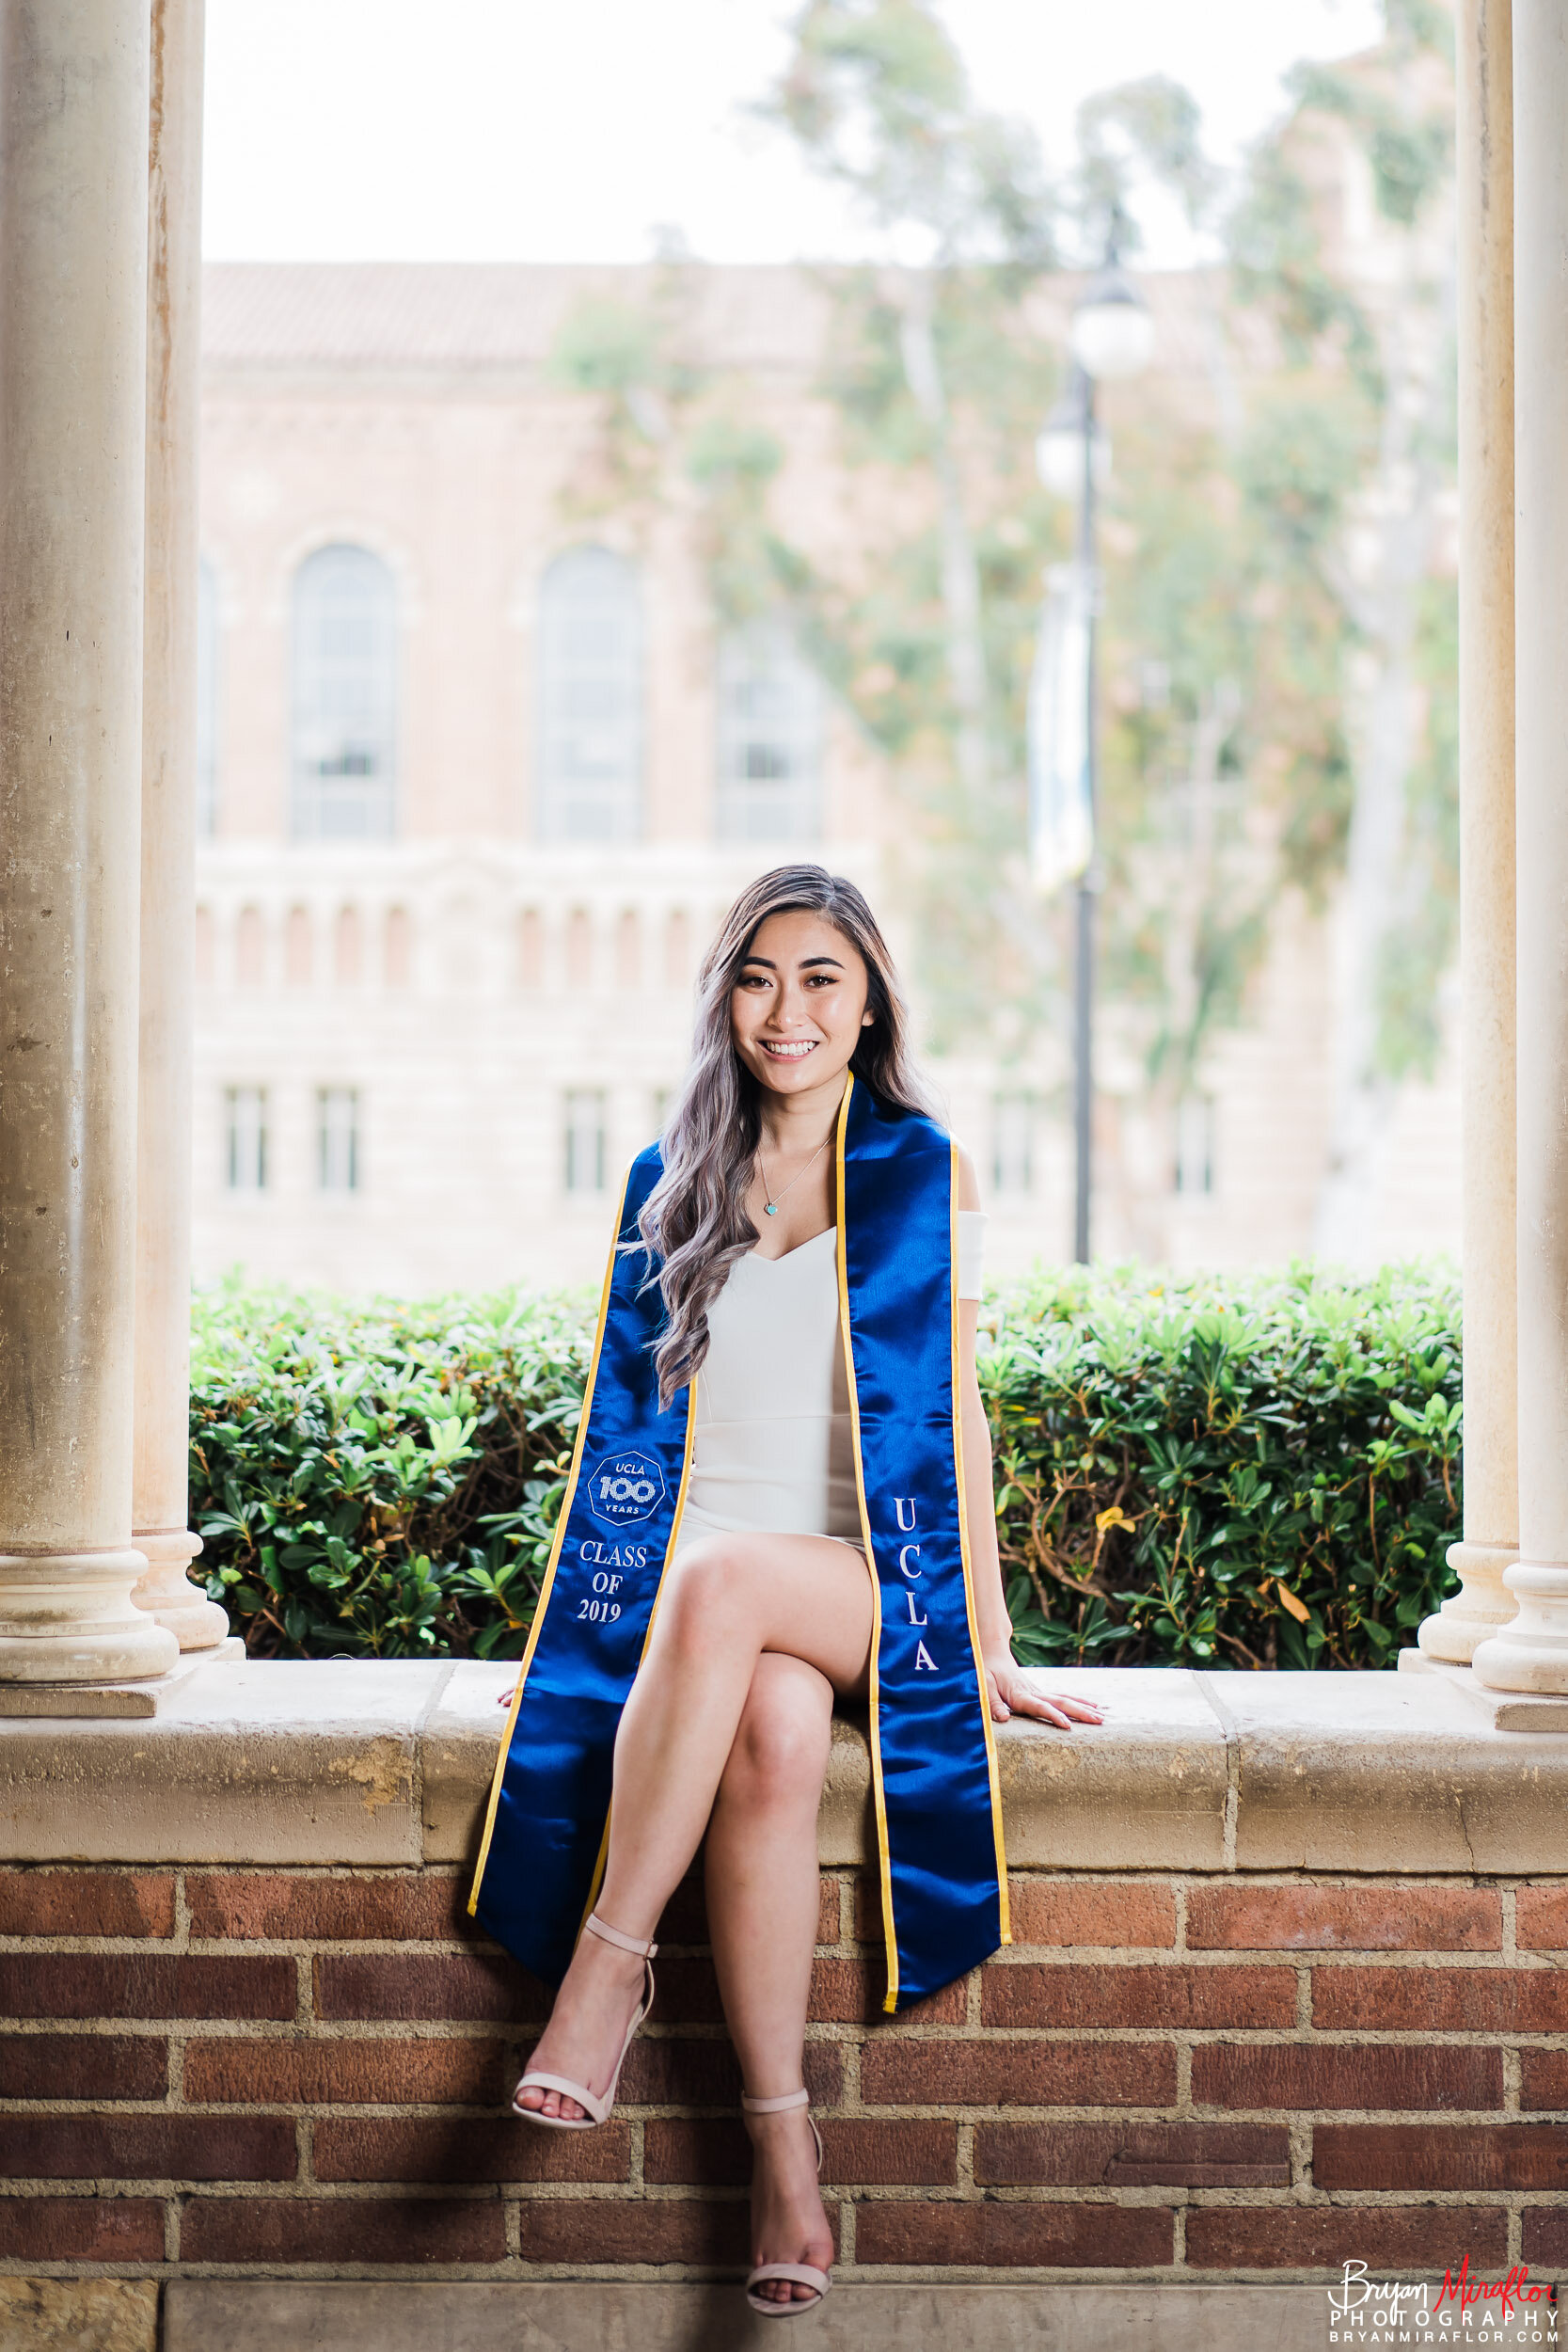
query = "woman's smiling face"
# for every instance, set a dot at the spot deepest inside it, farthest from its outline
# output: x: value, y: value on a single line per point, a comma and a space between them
x: 800, y: 1004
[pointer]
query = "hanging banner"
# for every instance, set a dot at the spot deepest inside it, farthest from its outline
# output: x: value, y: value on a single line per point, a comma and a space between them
x: 1061, y: 811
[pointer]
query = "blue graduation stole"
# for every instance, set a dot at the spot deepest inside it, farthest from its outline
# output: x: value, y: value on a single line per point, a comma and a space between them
x: 937, y: 1805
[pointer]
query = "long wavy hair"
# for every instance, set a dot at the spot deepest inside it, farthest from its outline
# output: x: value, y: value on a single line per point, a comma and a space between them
x: 694, y: 1221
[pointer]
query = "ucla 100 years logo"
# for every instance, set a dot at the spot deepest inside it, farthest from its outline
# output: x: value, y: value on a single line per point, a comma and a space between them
x: 625, y: 1489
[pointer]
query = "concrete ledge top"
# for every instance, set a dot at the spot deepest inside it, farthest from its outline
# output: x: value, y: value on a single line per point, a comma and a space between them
x: 350, y: 1761
x: 582, y: 2315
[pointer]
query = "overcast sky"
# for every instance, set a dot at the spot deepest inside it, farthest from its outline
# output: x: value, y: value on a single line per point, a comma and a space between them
x: 568, y: 130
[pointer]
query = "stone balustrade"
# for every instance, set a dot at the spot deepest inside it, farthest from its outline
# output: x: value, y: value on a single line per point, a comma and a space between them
x: 439, y: 918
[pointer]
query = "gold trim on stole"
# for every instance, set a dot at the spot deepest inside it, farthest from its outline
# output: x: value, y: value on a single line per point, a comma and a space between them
x: 536, y: 1627
x: 1005, y: 1918
x: 877, y: 1792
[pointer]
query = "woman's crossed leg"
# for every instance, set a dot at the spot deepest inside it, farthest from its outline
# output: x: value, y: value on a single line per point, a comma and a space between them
x: 763, y: 1883
x: 729, y: 1718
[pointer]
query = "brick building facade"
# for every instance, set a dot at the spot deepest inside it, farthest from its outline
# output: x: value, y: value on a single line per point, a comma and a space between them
x: 447, y: 931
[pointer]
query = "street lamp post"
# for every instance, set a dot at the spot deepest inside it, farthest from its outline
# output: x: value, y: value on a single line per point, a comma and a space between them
x: 1112, y: 336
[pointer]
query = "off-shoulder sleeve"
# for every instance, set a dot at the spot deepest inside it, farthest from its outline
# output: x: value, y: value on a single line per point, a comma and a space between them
x: 972, y: 1250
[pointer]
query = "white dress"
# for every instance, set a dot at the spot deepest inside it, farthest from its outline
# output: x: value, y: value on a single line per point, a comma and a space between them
x: 772, y: 1450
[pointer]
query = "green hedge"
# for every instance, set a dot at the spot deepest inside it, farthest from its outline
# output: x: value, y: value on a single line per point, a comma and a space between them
x: 1235, y: 1473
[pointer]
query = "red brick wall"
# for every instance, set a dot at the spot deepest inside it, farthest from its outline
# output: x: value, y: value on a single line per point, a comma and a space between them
x: 1161, y: 2077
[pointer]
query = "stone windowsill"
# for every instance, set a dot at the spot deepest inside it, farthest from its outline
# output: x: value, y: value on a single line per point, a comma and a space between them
x: 389, y: 1762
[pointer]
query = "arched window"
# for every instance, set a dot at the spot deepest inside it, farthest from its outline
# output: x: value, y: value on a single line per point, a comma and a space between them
x: 530, y: 948
x: 628, y: 950
x: 770, y: 737
x: 344, y: 696
x: 347, y: 947
x: 206, y: 699
x: 251, y: 948
x: 579, y: 948
x: 590, y: 698
x: 298, y: 949
x: 677, y: 948
x: 397, y: 947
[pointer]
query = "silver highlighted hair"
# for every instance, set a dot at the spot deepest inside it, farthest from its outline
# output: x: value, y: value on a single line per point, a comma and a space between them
x: 694, y: 1221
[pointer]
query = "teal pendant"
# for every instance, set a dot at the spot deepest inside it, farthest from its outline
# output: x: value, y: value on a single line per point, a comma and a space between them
x: 770, y: 1210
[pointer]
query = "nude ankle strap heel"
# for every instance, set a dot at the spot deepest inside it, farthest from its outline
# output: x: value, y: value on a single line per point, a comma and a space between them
x: 803, y: 2273
x: 606, y: 1934
x: 778, y: 2106
x: 597, y: 2109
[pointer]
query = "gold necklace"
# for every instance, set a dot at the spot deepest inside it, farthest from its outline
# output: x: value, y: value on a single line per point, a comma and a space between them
x: 772, y: 1207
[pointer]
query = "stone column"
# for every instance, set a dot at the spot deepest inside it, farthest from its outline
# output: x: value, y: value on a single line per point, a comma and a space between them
x: 74, y: 80
x: 1484, y: 145
x: 160, y: 1455
x: 1531, y: 1652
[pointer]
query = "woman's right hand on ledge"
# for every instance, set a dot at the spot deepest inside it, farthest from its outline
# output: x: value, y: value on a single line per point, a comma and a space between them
x: 1011, y: 1693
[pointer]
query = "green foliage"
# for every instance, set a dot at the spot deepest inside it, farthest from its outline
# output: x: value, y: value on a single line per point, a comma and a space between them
x: 1264, y: 566
x: 626, y: 358
x: 1155, y: 121
x: 729, y: 453
x: 1233, y: 738
x: 1209, y: 1472
x: 606, y: 346
x: 1410, y: 156
x: 381, y: 1481
x: 940, y: 375
x: 1203, y: 1472
x: 876, y: 96
x: 1224, y: 767
x: 886, y: 615
x: 1420, y: 948
x: 1278, y: 264
x: 1298, y: 463
x: 753, y: 571
x: 1352, y: 473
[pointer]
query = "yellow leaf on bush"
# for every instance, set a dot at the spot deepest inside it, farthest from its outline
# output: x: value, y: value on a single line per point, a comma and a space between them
x: 1115, y: 1516
x: 1291, y: 1603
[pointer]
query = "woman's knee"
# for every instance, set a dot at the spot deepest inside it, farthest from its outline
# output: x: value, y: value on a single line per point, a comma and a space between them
x: 704, y: 1591
x: 780, y: 1752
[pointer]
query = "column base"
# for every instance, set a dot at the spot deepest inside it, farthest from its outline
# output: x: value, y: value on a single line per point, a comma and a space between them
x: 68, y: 1616
x: 167, y: 1592
x: 1531, y: 1653
x: 1477, y: 1610
x: 1505, y: 1711
x: 107, y: 1702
